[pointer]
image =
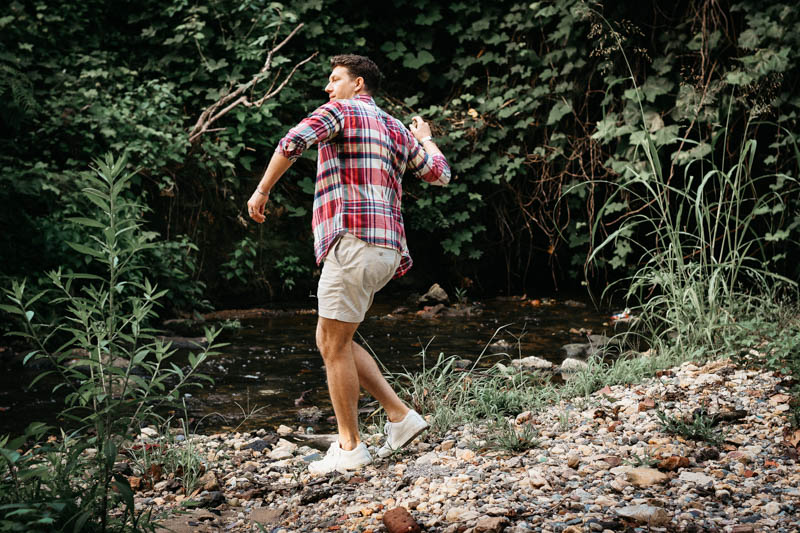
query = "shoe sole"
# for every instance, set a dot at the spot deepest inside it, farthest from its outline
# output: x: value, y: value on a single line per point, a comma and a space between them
x: 412, y: 437
x: 340, y: 470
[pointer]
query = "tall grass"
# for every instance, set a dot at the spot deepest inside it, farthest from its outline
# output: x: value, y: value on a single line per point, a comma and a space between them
x: 704, y: 247
x: 706, y: 242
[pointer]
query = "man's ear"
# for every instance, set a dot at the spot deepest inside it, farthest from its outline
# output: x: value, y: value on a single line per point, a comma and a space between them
x: 360, y: 85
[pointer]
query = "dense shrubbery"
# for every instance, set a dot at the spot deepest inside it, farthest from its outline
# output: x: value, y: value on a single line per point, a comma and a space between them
x: 529, y: 100
x: 117, y: 374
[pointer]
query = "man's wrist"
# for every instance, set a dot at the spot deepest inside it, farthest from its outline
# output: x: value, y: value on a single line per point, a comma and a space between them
x: 426, y: 139
x: 262, y: 193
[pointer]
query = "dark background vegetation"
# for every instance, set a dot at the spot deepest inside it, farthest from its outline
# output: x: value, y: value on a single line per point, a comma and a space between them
x: 528, y: 100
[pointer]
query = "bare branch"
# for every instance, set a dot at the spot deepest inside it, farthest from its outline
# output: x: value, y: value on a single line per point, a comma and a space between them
x: 272, y: 94
x: 235, y: 97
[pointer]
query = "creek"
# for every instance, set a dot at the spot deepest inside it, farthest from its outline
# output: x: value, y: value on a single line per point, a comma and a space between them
x: 273, y: 363
x: 271, y: 372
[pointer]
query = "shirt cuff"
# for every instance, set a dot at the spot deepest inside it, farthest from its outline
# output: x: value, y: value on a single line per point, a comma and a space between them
x: 290, y: 149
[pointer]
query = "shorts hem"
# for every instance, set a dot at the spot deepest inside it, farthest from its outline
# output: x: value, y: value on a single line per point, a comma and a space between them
x: 341, y: 317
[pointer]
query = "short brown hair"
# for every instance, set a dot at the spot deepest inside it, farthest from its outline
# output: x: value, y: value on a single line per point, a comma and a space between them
x: 360, y: 66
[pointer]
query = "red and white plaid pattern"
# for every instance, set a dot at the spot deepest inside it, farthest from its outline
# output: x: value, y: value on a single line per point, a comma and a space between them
x: 363, y: 153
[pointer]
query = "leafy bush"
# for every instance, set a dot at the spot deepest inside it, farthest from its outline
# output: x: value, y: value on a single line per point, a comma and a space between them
x: 116, y: 371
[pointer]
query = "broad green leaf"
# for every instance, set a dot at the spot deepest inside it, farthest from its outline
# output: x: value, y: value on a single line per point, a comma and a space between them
x: 560, y: 109
x: 417, y: 61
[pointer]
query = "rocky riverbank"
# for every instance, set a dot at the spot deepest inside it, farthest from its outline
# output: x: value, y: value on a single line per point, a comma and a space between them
x: 602, y: 463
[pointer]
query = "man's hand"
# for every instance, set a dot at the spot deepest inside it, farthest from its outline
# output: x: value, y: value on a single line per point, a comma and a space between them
x: 255, y: 205
x: 419, y: 128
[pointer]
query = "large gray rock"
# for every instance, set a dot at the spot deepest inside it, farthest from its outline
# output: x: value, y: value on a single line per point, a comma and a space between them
x: 532, y: 362
x: 645, y: 477
x: 435, y: 294
x: 646, y: 514
x: 572, y: 365
x: 599, y: 340
x: 600, y: 344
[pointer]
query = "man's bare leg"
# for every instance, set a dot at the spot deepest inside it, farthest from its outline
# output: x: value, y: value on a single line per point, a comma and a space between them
x: 335, y: 343
x: 370, y: 377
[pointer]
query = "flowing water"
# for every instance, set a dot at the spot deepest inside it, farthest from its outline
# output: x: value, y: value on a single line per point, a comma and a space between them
x: 271, y: 372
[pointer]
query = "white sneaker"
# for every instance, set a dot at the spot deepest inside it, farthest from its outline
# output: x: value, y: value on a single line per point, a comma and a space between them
x: 398, y: 434
x: 341, y: 460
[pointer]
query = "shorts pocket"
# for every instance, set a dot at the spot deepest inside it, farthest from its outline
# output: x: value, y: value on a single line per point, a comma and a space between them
x: 380, y: 267
x: 347, y: 250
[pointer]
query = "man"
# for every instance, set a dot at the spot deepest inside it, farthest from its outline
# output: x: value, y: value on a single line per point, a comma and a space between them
x: 359, y: 234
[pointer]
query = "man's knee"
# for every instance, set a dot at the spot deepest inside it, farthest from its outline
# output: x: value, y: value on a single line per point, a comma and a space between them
x: 334, y: 337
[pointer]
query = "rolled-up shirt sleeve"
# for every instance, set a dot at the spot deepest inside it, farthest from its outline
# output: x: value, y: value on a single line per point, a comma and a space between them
x: 323, y: 124
x: 431, y: 168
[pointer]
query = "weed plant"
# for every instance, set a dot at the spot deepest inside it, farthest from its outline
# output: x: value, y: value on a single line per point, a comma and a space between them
x: 488, y: 396
x: 699, y: 426
x: 645, y: 460
x: 439, y: 390
x: 178, y: 457
x: 503, y: 435
x: 117, y: 373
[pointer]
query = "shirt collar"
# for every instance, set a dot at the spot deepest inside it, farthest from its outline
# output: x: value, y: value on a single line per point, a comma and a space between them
x: 367, y: 99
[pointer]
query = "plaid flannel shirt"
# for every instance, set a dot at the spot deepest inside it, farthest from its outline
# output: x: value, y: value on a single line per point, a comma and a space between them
x: 363, y: 153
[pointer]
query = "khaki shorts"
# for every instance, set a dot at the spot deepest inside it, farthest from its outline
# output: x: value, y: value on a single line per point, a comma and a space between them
x: 353, y: 272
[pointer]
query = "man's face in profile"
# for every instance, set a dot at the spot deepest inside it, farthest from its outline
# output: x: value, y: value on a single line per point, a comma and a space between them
x: 341, y: 85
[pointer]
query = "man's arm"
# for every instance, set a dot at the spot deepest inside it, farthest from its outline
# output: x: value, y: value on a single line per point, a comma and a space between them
x: 427, y: 161
x: 277, y: 166
x: 323, y: 124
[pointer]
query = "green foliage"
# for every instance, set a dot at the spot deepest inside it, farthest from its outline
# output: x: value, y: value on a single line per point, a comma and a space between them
x: 450, y: 397
x: 437, y: 389
x: 241, y: 261
x: 290, y: 269
x: 528, y: 100
x: 178, y: 458
x: 567, y: 132
x: 92, y: 77
x: 771, y: 338
x: 497, y: 395
x: 461, y: 295
x: 36, y: 495
x: 707, y: 262
x: 116, y: 372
